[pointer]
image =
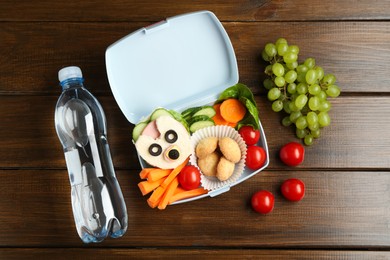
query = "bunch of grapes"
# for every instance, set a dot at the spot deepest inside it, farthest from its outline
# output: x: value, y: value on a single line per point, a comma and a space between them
x: 300, y: 90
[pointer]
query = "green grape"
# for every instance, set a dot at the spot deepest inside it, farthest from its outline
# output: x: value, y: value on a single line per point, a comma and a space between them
x: 290, y: 76
x: 319, y: 72
x: 301, y: 78
x: 325, y: 106
x: 279, y: 81
x: 314, y: 127
x: 286, y: 121
x: 314, y: 89
x: 290, y: 57
x: 278, y: 69
x: 268, y: 83
x: 310, y: 63
x: 286, y: 107
x: 270, y: 50
x: 293, y: 107
x: 300, y: 133
x: 301, y: 101
x: 295, y: 115
x: 301, y: 122
x: 282, y: 48
x: 314, y: 103
x: 268, y: 70
x: 322, y: 95
x: 293, y: 49
x: 315, y: 133
x: 311, y: 76
x: 265, y: 56
x: 329, y: 79
x: 273, y: 94
x: 302, y: 69
x: 280, y: 40
x: 308, y: 140
x: 291, y: 88
x: 333, y: 91
x: 292, y: 65
x: 277, y: 105
x: 302, y: 88
x: 312, y: 118
x: 323, y: 119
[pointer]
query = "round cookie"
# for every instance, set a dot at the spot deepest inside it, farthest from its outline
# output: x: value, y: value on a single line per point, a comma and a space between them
x: 208, y: 165
x: 230, y: 149
x: 225, y: 169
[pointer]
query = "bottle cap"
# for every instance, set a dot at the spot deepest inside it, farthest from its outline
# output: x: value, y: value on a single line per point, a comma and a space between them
x: 69, y: 72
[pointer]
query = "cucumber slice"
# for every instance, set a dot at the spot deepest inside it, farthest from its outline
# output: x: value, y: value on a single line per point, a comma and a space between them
x: 196, y: 125
x: 190, y: 111
x: 159, y: 112
x: 137, y: 131
x: 207, y: 111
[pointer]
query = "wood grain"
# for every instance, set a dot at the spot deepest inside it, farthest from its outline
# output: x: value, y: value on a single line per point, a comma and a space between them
x: 340, y: 210
x: 154, y: 10
x: 32, y: 54
x: 29, y: 139
x: 154, y: 253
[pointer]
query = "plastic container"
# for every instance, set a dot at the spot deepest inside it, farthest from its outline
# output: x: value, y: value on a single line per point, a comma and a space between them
x: 98, y: 206
x: 180, y: 62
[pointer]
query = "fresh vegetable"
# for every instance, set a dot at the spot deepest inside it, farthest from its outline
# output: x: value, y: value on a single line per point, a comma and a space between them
x: 199, y: 117
x: 293, y: 189
x: 157, y: 174
x: 147, y: 187
x: 232, y: 110
x: 255, y: 157
x: 292, y: 154
x: 138, y: 130
x: 185, y: 194
x: 249, y: 134
x: 159, y: 112
x: 218, y: 119
x: 263, y: 202
x: 245, y: 96
x: 300, y: 90
x: 189, y: 177
x: 170, y: 190
x: 145, y: 172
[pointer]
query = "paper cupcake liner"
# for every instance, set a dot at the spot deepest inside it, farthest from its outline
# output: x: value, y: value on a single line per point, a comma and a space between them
x: 212, y: 183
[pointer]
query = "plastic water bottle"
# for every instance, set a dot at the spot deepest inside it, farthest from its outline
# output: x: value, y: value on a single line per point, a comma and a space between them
x: 98, y: 206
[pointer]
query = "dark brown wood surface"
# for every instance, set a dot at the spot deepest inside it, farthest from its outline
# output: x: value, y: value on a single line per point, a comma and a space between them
x: 346, y: 211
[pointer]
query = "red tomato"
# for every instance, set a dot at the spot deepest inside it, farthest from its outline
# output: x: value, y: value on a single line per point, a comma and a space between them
x: 292, y: 153
x: 263, y: 201
x: 293, y: 189
x: 249, y: 134
x: 255, y: 157
x: 189, y: 177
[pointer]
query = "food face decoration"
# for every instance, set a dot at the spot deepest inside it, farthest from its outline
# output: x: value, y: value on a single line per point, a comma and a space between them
x: 164, y: 143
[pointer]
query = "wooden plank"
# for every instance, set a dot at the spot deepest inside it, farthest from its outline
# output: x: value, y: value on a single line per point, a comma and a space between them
x: 153, y: 253
x: 358, y: 53
x: 340, y: 210
x: 357, y: 137
x: 154, y: 10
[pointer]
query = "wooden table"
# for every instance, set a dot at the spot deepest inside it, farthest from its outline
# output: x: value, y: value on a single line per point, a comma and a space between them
x: 346, y: 211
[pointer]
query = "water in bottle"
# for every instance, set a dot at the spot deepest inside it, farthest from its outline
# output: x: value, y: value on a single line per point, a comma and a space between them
x: 98, y: 206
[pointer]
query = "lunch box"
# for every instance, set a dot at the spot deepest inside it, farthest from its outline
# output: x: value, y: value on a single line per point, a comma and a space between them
x: 180, y: 62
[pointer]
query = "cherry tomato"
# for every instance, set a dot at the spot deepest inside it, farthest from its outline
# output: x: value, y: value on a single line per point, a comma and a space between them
x: 292, y: 154
x: 255, y: 157
x: 293, y: 189
x: 189, y: 177
x: 249, y: 134
x: 263, y: 201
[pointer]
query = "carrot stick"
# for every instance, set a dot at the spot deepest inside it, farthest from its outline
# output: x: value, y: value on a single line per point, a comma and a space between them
x: 218, y: 119
x: 174, y: 173
x: 144, y: 173
x: 168, y: 193
x: 147, y: 186
x: 156, y: 196
x: 157, y: 174
x: 232, y: 110
x: 185, y: 194
x: 152, y: 204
